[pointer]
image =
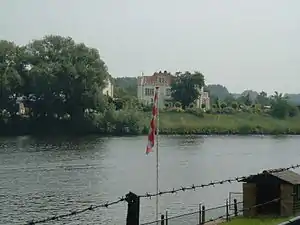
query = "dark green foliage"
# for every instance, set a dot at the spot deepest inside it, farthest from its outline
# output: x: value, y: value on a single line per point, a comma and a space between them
x: 217, y: 91
x: 125, y: 86
x: 60, y: 83
x: 186, y: 87
x: 196, y: 112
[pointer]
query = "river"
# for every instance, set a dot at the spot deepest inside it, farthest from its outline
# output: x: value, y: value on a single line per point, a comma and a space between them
x: 41, y: 177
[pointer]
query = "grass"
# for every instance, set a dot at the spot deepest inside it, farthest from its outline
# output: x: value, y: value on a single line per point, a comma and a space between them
x: 240, y: 123
x: 248, y: 221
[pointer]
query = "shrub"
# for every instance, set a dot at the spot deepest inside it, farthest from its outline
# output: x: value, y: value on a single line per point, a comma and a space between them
x: 146, y: 108
x: 293, y: 111
x: 174, y: 109
x: 228, y: 110
x: 234, y: 105
x: 177, y: 105
x: 196, y: 112
x: 223, y: 105
x: 192, y: 105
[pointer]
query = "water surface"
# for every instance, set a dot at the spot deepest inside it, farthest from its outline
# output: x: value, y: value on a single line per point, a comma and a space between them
x: 43, y: 177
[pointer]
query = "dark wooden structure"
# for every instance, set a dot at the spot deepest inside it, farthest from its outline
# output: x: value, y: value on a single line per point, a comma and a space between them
x: 270, y: 185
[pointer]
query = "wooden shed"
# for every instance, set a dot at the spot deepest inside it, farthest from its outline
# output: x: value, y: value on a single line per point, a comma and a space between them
x: 270, y: 185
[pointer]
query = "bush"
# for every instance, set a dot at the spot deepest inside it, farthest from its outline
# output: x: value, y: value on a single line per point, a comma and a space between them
x: 177, y: 105
x: 223, y: 105
x: 192, y: 105
x: 234, y: 105
x: 196, y: 112
x: 228, y: 110
x: 174, y: 109
x: 146, y: 108
x: 167, y: 105
x: 293, y: 111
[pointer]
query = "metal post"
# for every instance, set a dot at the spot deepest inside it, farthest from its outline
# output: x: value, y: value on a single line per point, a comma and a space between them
x: 203, y: 215
x: 227, y: 210
x: 235, y: 207
x: 157, y: 155
x: 166, y: 217
x: 199, y: 214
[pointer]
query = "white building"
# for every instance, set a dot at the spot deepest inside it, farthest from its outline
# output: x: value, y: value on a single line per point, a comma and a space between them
x: 109, y: 89
x: 163, y: 80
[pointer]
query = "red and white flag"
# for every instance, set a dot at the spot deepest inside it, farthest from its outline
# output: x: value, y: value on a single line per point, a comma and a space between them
x: 152, y: 130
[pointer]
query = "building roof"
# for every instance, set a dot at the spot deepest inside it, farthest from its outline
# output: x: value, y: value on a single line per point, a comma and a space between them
x: 284, y: 175
x: 154, y: 79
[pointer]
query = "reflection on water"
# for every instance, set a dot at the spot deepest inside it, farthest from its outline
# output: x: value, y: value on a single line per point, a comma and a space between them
x: 46, y: 176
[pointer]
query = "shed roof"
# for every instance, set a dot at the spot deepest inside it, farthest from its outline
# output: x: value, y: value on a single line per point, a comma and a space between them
x: 284, y: 175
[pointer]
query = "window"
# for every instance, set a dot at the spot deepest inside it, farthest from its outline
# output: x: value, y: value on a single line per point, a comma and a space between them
x: 149, y: 91
x: 168, y: 92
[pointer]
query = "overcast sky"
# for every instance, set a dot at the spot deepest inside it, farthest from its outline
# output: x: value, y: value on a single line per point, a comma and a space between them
x: 242, y: 44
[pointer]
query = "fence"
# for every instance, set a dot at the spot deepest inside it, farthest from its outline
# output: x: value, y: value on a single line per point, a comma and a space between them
x: 202, y: 215
x: 234, y: 195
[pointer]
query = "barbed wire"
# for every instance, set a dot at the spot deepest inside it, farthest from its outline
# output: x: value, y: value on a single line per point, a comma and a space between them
x: 217, y: 218
x: 213, y: 183
x: 75, y: 212
x: 149, y: 195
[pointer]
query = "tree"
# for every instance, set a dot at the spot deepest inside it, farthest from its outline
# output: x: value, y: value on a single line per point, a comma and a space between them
x: 64, y: 77
x: 186, y: 87
x: 126, y: 86
x: 262, y: 98
x: 10, y: 79
x: 280, y: 107
x: 245, y: 99
x: 218, y: 91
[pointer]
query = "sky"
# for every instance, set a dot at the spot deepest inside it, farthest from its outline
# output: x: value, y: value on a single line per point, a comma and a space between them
x: 240, y: 44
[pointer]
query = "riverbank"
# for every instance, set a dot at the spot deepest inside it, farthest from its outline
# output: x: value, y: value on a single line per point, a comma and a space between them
x: 255, y: 221
x: 240, y: 123
x: 170, y: 123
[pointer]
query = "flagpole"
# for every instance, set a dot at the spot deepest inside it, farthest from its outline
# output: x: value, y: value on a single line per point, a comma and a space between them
x: 157, y: 135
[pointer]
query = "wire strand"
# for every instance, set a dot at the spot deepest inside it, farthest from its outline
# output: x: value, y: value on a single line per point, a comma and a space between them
x: 213, y: 183
x: 149, y: 195
x: 76, y: 212
x: 217, y: 218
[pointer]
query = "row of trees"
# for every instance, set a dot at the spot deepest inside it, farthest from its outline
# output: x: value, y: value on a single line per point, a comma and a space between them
x: 61, y: 83
x: 186, y: 88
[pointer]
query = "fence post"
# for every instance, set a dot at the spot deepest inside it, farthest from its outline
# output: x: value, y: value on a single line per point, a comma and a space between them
x: 133, y: 210
x: 199, y: 214
x: 227, y: 210
x: 203, y: 215
x: 166, y: 217
x: 162, y: 219
x: 235, y: 207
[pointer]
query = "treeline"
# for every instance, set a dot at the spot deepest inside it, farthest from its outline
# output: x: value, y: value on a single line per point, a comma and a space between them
x: 54, y: 85
x: 185, y: 90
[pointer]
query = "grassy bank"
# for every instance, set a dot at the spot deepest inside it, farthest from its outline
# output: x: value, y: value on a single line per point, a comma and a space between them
x: 241, y: 123
x: 265, y: 221
x: 137, y: 122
